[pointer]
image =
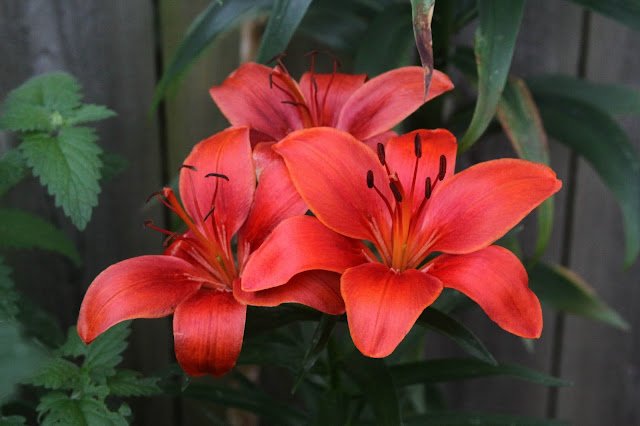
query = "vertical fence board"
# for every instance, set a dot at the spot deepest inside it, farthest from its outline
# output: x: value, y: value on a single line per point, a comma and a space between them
x: 604, y: 363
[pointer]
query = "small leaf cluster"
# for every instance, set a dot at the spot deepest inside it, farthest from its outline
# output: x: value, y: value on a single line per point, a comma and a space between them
x: 47, y: 111
x: 78, y: 393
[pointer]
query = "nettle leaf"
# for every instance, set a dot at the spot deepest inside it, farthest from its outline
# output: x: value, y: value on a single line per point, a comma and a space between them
x: 87, y: 113
x: 58, y: 373
x: 23, y: 117
x: 8, y: 296
x: 69, y: 165
x: 130, y: 383
x: 22, y: 230
x: 57, y: 408
x: 13, y: 168
x: 104, y: 353
x: 284, y: 20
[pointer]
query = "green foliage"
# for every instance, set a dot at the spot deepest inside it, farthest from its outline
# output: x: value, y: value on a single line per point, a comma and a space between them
x: 283, y: 22
x: 8, y: 296
x: 626, y: 12
x: 79, y: 392
x: 13, y: 168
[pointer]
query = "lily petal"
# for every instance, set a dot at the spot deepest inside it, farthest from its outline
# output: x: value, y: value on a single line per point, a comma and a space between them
x: 140, y: 287
x: 474, y: 208
x: 227, y: 153
x: 387, y: 99
x: 247, y: 98
x: 401, y: 157
x: 263, y: 155
x: 496, y: 280
x: 275, y: 199
x: 296, y: 245
x: 208, y: 330
x: 329, y: 94
x: 329, y: 169
x: 382, y: 305
x: 319, y: 290
x: 382, y: 138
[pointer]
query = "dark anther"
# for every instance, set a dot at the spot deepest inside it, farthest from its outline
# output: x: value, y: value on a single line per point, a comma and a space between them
x: 311, y: 53
x: 270, y: 81
x: 427, y: 188
x: 153, y: 195
x: 443, y: 167
x: 381, y: 154
x: 417, y: 145
x: 396, y: 192
x: 277, y: 57
x: 291, y: 103
x: 208, y: 214
x: 186, y: 166
x: 315, y: 85
x: 370, y: 178
x: 225, y: 177
x: 147, y: 223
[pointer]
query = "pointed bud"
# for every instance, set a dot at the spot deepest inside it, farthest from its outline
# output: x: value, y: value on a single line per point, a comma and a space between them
x: 381, y: 154
x: 370, y: 179
x: 417, y: 145
x: 443, y: 167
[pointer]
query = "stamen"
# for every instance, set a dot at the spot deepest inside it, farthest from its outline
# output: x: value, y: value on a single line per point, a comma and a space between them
x: 427, y: 188
x: 417, y: 144
x: 396, y: 192
x: 149, y: 224
x: 220, y: 175
x: 277, y: 57
x: 370, y: 179
x: 208, y: 214
x: 443, y: 167
x: 153, y: 195
x: 186, y: 166
x: 381, y: 154
x: 297, y: 104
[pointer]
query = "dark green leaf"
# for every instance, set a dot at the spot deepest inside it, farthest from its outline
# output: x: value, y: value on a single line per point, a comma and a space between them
x: 615, y: 99
x: 216, y: 19
x: 23, y: 117
x: 58, y: 373
x: 446, y: 370
x: 626, y: 12
x: 13, y: 421
x: 459, y: 419
x: 600, y: 140
x: 260, y: 320
x: 130, y: 383
x: 112, y: 165
x: 13, y: 169
x: 449, y: 327
x: 69, y: 165
x: 387, y: 43
x: 88, y: 113
x: 499, y: 22
x: 22, y: 230
x: 104, y: 353
x: 521, y: 121
x: 422, y: 13
x: 336, y: 23
x: 318, y: 342
x: 8, y: 296
x: 57, y: 408
x: 376, y: 384
x: 561, y: 289
x: 283, y: 22
x: 39, y: 324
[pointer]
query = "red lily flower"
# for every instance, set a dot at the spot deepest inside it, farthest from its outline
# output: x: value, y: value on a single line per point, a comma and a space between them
x: 197, y: 279
x: 409, y: 204
x: 273, y: 104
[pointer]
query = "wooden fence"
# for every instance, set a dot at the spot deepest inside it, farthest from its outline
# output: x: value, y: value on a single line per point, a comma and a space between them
x: 114, y: 48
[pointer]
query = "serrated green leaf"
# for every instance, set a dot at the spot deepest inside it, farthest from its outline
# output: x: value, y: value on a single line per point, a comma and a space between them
x: 87, y: 113
x: 626, y: 12
x: 58, y: 373
x: 520, y: 120
x: 449, y: 327
x: 422, y: 14
x: 22, y: 230
x: 563, y: 290
x: 376, y: 384
x: 387, y: 42
x: 69, y: 165
x: 56, y: 408
x: 459, y: 419
x: 499, y: 22
x: 216, y: 19
x: 13, y: 168
x: 284, y: 19
x: 603, y: 143
x: 615, y: 99
x: 446, y: 370
x: 104, y: 353
x: 73, y: 345
x: 8, y: 296
x: 24, y: 117
x: 130, y: 383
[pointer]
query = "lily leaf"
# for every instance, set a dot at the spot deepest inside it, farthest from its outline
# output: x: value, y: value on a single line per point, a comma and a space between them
x: 563, y: 290
x: 626, y: 12
x: 387, y: 42
x: 215, y: 20
x: 19, y: 229
x: 446, y: 370
x: 261, y: 320
x: 422, y: 13
x: 615, y: 99
x: 376, y: 383
x: 283, y: 22
x: 458, y: 418
x: 318, y: 342
x: 449, y: 327
x: 499, y: 22
x: 603, y: 143
x: 520, y: 119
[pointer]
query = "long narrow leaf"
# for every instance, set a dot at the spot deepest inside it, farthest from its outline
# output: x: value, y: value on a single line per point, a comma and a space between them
x: 283, y: 22
x: 499, y: 22
x: 447, y: 370
x: 422, y: 13
x: 604, y: 144
x: 626, y: 12
x: 449, y: 327
x: 318, y: 342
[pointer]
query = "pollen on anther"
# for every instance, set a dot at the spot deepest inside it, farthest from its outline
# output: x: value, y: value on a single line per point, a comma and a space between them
x: 443, y: 167
x: 381, y: 154
x: 370, y: 178
x: 417, y: 145
x: 396, y: 192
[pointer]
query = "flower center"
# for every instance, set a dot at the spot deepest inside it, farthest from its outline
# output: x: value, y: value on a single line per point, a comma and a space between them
x: 401, y: 207
x: 205, y: 244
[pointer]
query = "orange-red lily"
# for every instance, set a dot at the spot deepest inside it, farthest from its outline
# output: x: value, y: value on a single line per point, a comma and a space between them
x: 198, y: 278
x: 273, y: 104
x: 407, y: 201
